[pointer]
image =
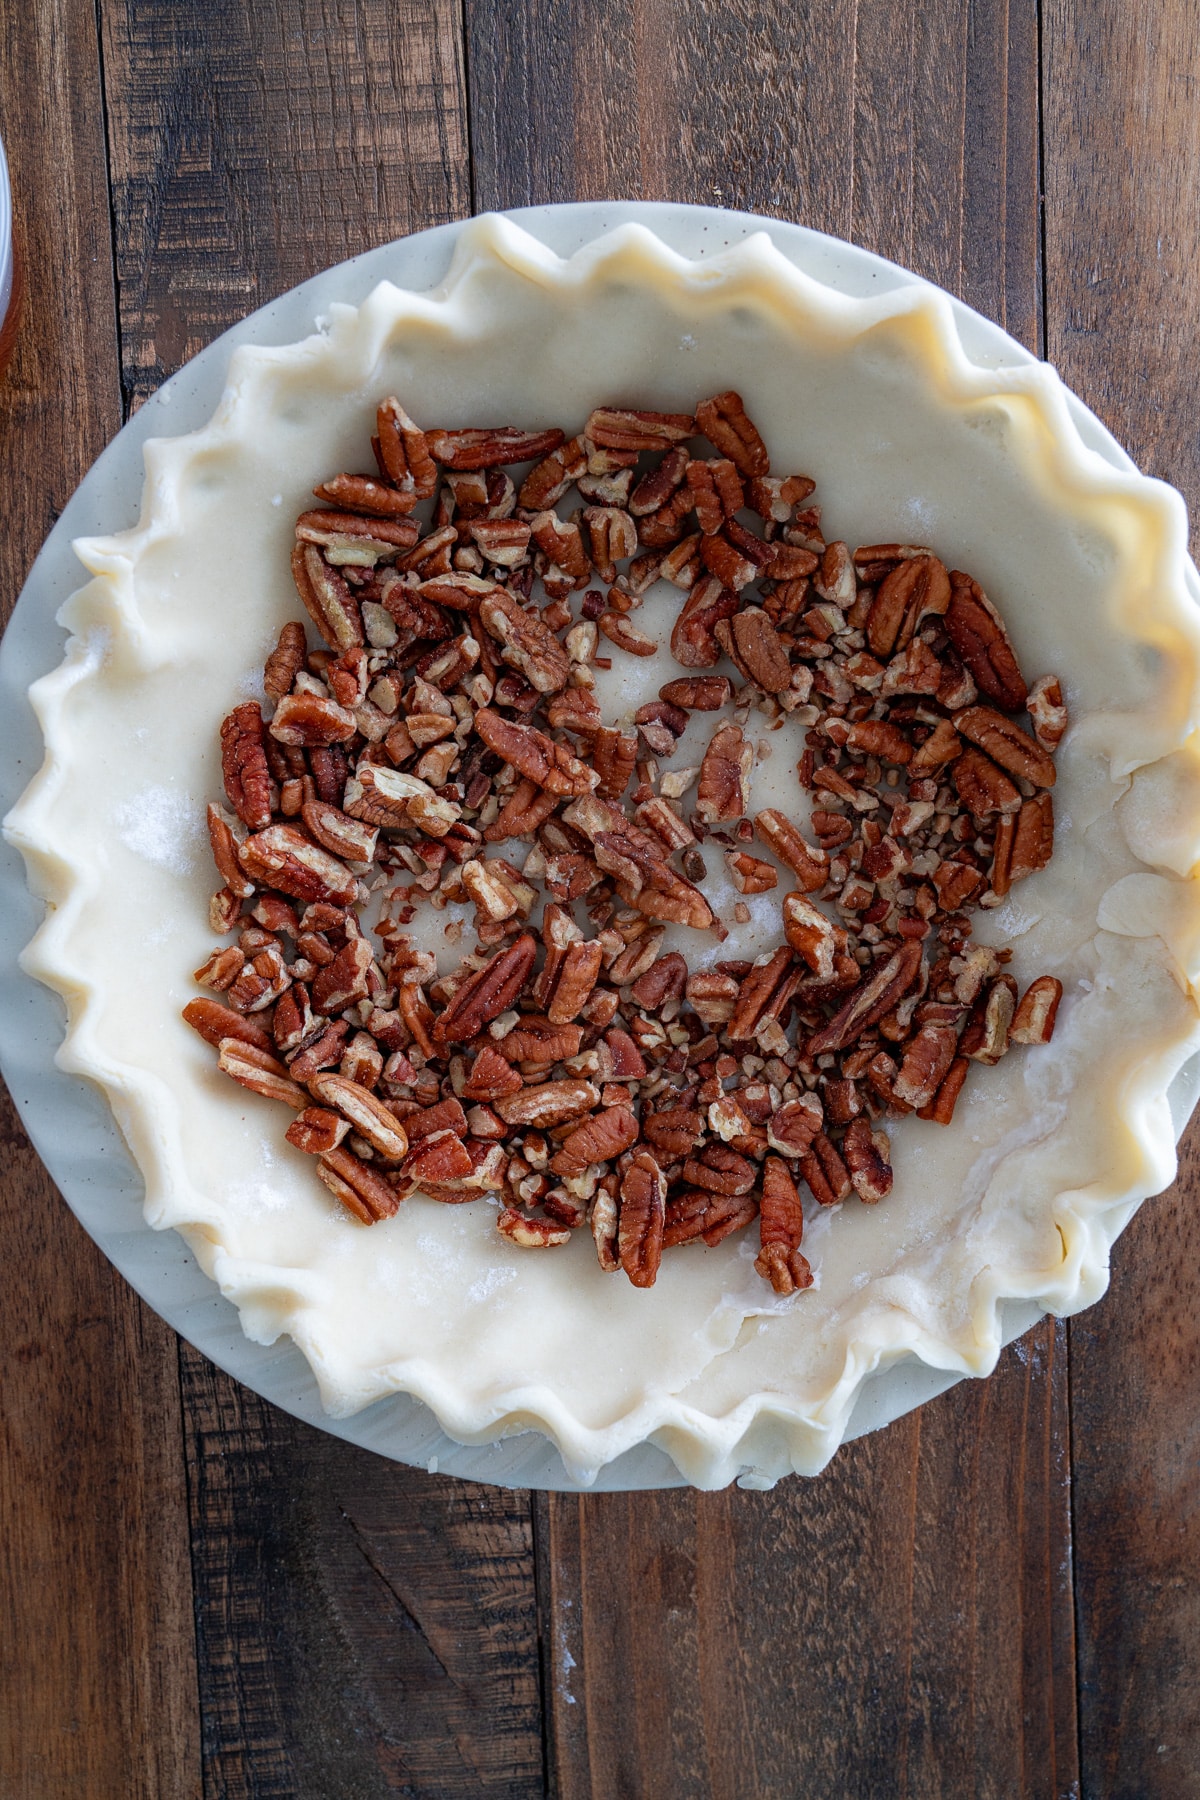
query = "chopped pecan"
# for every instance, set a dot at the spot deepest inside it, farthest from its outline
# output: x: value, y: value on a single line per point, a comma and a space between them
x: 985, y: 1038
x: 698, y: 693
x: 284, y: 858
x: 370, y: 1117
x: 926, y: 1060
x: 551, y: 1103
x: 793, y: 1126
x: 940, y: 1110
x: 309, y: 720
x: 675, y: 1132
x: 888, y: 982
x: 693, y: 639
x: 549, y: 480
x: 531, y: 1234
x: 721, y: 1170
x: 1033, y: 1022
x: 535, y: 755
x: 437, y: 1157
x: 695, y: 1213
x: 491, y: 1077
x: 404, y: 452
x: 612, y: 536
x: 781, y: 1231
x: 317, y: 1130
x: 750, y: 875
x: 657, y: 486
x: 1048, y: 711
x: 982, y: 787
x: 625, y: 636
x: 825, y: 1172
x: 760, y: 649
x: 216, y: 1022
x: 866, y: 1154
x: 977, y: 632
x: 285, y: 661
x: 603, y: 1222
x: 811, y: 934
x: 808, y: 865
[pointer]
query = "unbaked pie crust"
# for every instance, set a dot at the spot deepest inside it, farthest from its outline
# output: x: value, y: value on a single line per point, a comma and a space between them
x: 1049, y: 1153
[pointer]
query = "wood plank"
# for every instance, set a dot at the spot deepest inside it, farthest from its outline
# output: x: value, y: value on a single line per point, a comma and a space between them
x: 901, y: 1626
x: 904, y: 1624
x: 251, y: 146
x: 361, y: 1629
x: 1123, y: 236
x: 97, y: 1675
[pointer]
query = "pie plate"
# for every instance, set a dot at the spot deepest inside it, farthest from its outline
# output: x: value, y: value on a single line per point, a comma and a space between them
x: 920, y: 422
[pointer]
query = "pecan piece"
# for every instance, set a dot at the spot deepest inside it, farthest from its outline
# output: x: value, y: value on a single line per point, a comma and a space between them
x: 698, y: 693
x: 310, y: 720
x: 627, y: 637
x: 725, y: 424
x: 244, y: 765
x: 605, y: 1231
x: 916, y: 588
x: 641, y: 1219
x: 760, y: 649
x: 866, y: 1154
x: 720, y: 1170
x: 977, y: 632
x: 762, y: 994
x: 546, y: 483
x: 437, y: 1157
x: 693, y: 639
x: 812, y: 935
x: 656, y: 488
x: 327, y: 598
x: 361, y: 1191
x: 781, y: 1231
x: 370, y: 1117
x: 1048, y: 711
x: 809, y: 866
x: 887, y: 984
x: 285, y: 661
x: 404, y: 452
x: 1033, y: 1022
x: 259, y: 1071
x: 926, y: 1060
x: 981, y: 786
x: 674, y: 1132
x: 531, y: 1234
x: 535, y: 755
x: 576, y: 976
x: 612, y: 536
x: 631, y: 429
x: 940, y: 1109
x: 282, y: 857
x: 224, y: 847
x: 597, y: 1140
x: 492, y: 1076
x: 216, y: 1023
x: 793, y: 1126
x: 551, y: 1103
x: 826, y: 1173
x: 985, y: 1039
x: 484, y: 995
x: 721, y: 790
x: 317, y: 1130
x: 700, y: 1213
x: 491, y: 447
x: 749, y: 874
x: 526, y: 644
x: 1006, y: 744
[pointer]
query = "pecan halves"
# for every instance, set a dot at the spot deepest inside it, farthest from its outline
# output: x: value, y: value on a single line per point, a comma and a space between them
x: 597, y: 1140
x: 884, y: 987
x: 722, y: 792
x: 259, y: 1071
x: 1006, y: 744
x: 977, y: 632
x: 526, y: 644
x: 781, y: 1231
x: 641, y: 1219
x: 866, y: 1154
x: 244, y: 765
x: 809, y: 865
x: 1033, y: 1021
x: 759, y: 648
x: 726, y: 425
x: 361, y: 1191
x: 404, y: 452
x: 916, y: 588
x: 487, y: 993
x: 327, y: 598
x: 535, y: 755
x: 490, y: 448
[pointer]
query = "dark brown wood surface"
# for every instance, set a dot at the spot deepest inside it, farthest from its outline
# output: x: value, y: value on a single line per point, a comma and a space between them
x: 201, y: 1596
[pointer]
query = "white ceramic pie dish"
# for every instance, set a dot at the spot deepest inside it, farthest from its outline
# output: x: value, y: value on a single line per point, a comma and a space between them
x: 862, y: 389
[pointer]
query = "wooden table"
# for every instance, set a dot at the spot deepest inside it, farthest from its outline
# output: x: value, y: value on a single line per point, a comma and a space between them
x: 199, y: 1595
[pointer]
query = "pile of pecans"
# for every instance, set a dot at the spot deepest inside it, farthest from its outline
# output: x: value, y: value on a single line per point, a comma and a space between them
x: 578, y: 1071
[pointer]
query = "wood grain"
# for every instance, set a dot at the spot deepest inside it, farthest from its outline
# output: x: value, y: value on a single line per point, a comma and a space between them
x: 363, y: 1628
x: 254, y: 145
x: 904, y: 1624
x: 1122, y: 241
x: 97, y: 1674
